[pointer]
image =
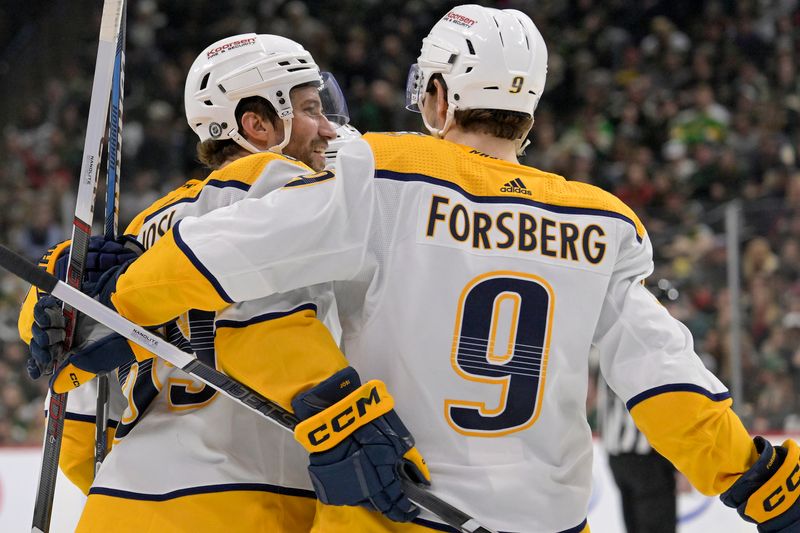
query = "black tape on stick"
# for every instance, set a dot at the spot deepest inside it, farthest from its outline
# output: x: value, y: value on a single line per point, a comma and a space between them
x: 22, y: 268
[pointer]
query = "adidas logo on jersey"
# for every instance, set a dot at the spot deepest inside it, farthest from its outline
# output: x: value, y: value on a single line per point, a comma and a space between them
x: 515, y: 186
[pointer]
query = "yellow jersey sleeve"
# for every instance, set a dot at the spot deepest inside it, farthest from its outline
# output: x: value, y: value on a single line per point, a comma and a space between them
x: 701, y: 436
x: 163, y: 284
x: 77, y: 450
x: 280, y: 354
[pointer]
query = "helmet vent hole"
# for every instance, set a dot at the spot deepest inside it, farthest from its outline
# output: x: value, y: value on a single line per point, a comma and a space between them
x: 469, y: 69
x: 533, y: 93
x: 471, y: 49
x: 502, y: 43
x: 295, y: 69
x: 494, y: 88
x: 456, y: 97
x: 221, y: 88
x: 204, y: 83
x: 527, y: 43
x: 208, y: 102
x: 283, y: 63
x: 302, y: 61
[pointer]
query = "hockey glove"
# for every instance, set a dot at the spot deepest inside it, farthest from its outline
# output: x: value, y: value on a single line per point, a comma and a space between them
x: 359, y: 446
x: 97, y: 349
x: 48, y: 329
x: 767, y: 494
x: 103, y: 254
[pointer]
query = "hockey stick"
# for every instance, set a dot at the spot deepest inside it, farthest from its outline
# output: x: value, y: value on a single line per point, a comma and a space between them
x: 112, y: 219
x: 239, y: 392
x: 81, y: 229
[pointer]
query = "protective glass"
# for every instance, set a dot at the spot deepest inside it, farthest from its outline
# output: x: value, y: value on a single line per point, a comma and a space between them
x: 334, y: 106
x: 414, y: 88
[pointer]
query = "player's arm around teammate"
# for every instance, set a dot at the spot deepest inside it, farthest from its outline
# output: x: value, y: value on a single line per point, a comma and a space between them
x: 302, y: 353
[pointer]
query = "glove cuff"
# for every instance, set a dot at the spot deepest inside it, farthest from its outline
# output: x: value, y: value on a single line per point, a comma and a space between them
x: 776, y: 498
x: 326, y: 393
x: 326, y: 429
x: 754, y: 477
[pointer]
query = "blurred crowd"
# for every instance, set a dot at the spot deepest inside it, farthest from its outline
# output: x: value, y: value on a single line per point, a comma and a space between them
x: 678, y: 107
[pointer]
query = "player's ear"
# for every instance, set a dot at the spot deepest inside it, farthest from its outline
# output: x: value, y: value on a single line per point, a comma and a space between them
x: 259, y: 130
x: 441, y: 101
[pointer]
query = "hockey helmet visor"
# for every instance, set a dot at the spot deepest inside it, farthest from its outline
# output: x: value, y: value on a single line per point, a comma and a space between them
x: 414, y: 88
x: 334, y: 106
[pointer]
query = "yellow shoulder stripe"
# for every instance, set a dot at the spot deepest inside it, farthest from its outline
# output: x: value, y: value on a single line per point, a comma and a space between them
x: 240, y: 174
x: 412, y: 157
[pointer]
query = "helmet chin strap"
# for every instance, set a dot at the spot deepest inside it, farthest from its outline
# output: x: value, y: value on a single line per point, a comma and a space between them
x: 287, y: 135
x: 239, y: 139
x: 523, y: 141
x: 448, y: 123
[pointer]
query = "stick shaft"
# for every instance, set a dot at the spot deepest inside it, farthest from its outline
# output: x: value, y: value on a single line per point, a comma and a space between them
x: 208, y: 375
x: 84, y: 209
x: 111, y: 219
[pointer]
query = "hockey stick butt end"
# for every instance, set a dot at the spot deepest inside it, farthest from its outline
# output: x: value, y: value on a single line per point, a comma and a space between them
x: 24, y: 269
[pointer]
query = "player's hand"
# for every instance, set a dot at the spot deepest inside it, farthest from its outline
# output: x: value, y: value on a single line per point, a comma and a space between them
x: 97, y: 348
x: 47, y: 343
x: 359, y: 446
x: 102, y: 255
x: 768, y: 494
x: 48, y: 328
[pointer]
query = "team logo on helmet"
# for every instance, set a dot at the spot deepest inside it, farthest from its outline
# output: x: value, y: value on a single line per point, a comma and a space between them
x: 229, y: 46
x: 215, y: 130
x: 461, y: 20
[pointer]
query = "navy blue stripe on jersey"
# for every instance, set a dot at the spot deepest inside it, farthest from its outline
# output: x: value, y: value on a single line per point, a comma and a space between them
x: 311, y: 178
x: 205, y: 489
x: 443, y: 527
x: 219, y: 184
x: 676, y: 387
x: 198, y: 265
x: 87, y: 418
x: 567, y: 210
x: 266, y: 317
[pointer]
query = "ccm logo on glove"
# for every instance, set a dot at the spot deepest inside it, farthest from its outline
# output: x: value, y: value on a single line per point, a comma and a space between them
x: 328, y: 428
x: 773, y: 495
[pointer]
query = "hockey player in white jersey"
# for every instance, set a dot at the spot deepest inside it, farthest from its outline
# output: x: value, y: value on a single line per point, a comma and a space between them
x: 475, y: 287
x: 184, y: 458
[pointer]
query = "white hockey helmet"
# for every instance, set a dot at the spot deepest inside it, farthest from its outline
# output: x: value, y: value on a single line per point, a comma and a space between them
x: 344, y: 134
x: 252, y: 65
x: 488, y: 58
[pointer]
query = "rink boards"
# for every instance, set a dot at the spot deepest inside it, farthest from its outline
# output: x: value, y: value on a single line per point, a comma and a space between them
x: 19, y: 468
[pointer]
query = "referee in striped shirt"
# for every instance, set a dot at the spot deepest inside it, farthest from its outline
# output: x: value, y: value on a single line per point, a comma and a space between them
x: 646, y: 480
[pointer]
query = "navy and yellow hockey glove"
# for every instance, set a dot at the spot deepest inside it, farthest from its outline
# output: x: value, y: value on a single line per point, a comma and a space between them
x: 768, y: 493
x: 48, y: 329
x: 359, y: 446
x: 102, y: 255
x: 97, y: 349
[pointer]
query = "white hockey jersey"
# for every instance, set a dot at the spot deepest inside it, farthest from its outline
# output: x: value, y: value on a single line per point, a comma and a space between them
x: 199, y: 439
x: 474, y: 288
